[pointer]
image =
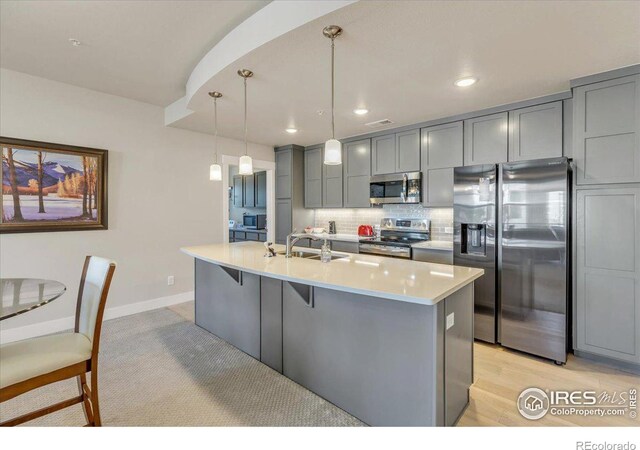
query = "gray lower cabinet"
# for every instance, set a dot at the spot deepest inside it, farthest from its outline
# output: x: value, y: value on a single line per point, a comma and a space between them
x: 284, y: 160
x: 442, y: 149
x: 535, y: 132
x: 345, y: 246
x: 227, y: 304
x: 608, y: 273
x: 261, y: 189
x: 606, y: 131
x: 313, y: 177
x: 432, y: 255
x: 271, y: 323
x: 486, y: 140
x: 383, y: 154
x: 283, y: 220
x: 332, y: 186
x: 408, y: 151
x: 356, y: 173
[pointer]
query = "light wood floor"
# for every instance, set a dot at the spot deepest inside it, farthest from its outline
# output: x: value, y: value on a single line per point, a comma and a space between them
x: 502, y: 374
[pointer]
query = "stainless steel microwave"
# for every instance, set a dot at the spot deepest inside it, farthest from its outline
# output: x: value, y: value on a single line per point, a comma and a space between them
x: 254, y: 221
x: 395, y: 188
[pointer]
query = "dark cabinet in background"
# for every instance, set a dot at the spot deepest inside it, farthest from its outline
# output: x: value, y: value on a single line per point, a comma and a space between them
x: 261, y: 189
x: 250, y: 191
x: 238, y: 187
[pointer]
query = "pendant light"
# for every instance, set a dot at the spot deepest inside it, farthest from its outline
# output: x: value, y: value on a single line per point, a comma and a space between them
x: 333, y: 147
x: 246, y: 164
x: 215, y: 170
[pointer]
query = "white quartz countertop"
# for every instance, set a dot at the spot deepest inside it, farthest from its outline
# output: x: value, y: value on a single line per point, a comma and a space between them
x: 435, y: 245
x: 379, y: 276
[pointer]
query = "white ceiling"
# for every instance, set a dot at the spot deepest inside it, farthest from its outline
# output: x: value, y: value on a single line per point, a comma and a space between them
x: 400, y: 59
x: 144, y: 50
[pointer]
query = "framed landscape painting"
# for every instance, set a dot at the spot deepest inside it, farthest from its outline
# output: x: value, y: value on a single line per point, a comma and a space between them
x: 52, y: 187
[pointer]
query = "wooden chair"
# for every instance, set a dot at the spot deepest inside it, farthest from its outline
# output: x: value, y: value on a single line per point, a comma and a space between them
x: 37, y: 362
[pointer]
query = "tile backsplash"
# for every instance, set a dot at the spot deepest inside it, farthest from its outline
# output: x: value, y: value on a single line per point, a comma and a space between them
x: 348, y: 219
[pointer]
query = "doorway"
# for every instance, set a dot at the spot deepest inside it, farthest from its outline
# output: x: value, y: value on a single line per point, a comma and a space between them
x: 258, y: 165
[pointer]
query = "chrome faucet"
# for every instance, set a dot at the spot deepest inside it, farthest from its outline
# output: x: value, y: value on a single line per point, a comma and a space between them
x: 293, y: 238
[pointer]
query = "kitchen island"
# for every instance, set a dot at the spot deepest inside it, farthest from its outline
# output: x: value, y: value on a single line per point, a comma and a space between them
x: 390, y: 341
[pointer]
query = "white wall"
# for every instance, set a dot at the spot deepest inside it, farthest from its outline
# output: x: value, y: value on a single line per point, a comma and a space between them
x: 160, y: 196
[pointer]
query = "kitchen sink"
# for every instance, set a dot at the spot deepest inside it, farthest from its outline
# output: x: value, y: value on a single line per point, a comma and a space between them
x: 311, y: 255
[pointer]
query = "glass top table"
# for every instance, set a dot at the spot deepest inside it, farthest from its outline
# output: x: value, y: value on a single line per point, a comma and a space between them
x: 20, y: 295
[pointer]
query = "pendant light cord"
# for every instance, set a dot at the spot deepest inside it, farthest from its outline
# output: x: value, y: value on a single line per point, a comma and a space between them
x: 333, y: 120
x: 245, y: 117
x: 215, y: 126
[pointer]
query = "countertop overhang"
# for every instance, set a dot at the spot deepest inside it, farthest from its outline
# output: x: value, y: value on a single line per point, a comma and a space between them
x: 378, y: 276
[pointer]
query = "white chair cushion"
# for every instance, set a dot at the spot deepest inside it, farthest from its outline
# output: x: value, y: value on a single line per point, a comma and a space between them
x: 22, y: 360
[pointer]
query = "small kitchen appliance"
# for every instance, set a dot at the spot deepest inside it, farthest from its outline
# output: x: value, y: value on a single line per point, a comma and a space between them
x: 254, y: 221
x: 365, y: 231
x: 395, y: 188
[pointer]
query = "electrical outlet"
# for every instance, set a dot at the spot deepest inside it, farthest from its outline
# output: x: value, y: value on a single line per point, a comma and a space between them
x: 170, y: 280
x: 451, y: 320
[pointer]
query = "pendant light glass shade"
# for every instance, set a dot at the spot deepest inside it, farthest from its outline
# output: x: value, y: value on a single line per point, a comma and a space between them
x: 246, y: 165
x: 215, y: 172
x: 332, y: 152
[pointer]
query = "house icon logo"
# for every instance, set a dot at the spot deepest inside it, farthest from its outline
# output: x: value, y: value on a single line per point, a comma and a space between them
x: 533, y: 403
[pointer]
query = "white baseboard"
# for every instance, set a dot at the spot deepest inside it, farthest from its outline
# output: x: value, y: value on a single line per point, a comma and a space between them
x: 67, y: 323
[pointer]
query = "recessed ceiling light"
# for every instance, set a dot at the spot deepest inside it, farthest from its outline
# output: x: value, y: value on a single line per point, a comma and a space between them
x: 360, y: 111
x: 74, y: 42
x: 291, y: 130
x: 465, y: 82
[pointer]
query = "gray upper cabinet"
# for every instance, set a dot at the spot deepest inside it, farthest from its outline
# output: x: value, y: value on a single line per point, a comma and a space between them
x: 284, y: 224
x: 383, y: 154
x: 608, y: 273
x: 313, y: 177
x: 332, y: 186
x: 261, y: 189
x: 397, y: 152
x: 357, y: 171
x: 238, y: 187
x: 606, y: 131
x: 442, y: 150
x: 249, y: 192
x: 485, y: 139
x: 535, y: 132
x: 283, y: 173
x: 408, y: 151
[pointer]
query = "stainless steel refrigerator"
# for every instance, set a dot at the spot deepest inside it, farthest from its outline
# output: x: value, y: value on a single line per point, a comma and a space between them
x: 525, y: 206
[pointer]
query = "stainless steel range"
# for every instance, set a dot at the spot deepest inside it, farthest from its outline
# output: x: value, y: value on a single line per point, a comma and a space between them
x: 396, y: 237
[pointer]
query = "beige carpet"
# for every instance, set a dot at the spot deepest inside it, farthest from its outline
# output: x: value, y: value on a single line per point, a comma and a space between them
x: 158, y: 369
